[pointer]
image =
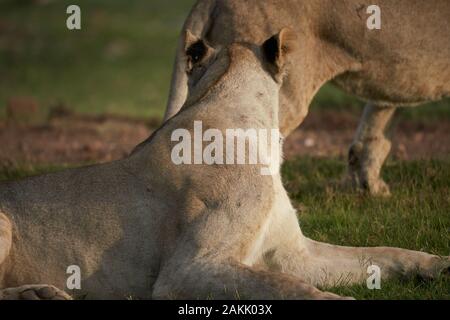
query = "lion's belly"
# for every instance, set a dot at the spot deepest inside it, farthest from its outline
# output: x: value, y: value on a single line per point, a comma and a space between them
x: 406, y: 62
x: 397, y: 85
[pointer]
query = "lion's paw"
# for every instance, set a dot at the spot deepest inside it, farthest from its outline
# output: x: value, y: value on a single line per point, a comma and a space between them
x: 34, y: 292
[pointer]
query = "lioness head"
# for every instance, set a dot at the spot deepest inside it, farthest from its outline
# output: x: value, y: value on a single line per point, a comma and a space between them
x: 240, y: 69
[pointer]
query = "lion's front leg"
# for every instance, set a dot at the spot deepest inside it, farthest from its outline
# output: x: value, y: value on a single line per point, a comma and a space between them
x: 218, y: 267
x: 229, y: 279
x: 328, y: 265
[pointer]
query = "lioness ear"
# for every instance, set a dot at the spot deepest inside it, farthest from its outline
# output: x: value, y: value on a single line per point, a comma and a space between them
x: 196, y: 50
x: 278, y: 47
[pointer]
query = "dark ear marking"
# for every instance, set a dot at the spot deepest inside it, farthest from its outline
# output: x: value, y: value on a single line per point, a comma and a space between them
x: 270, y: 49
x: 278, y: 47
x: 197, y: 51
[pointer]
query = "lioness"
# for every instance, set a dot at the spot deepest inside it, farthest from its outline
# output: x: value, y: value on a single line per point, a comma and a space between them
x: 405, y: 63
x: 145, y: 227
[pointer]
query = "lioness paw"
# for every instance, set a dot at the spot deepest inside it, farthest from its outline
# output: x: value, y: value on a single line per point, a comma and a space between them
x: 34, y: 292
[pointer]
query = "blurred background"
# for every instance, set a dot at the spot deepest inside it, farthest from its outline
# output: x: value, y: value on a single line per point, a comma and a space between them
x: 92, y: 94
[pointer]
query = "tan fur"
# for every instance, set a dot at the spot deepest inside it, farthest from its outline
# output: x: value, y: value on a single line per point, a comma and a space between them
x: 5, y: 237
x: 405, y: 63
x: 147, y: 228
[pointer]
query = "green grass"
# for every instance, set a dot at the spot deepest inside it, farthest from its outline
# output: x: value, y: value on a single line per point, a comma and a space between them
x: 120, y: 62
x: 17, y: 172
x: 416, y: 217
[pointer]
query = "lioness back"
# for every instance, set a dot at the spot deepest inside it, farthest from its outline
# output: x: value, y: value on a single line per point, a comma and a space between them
x: 406, y: 62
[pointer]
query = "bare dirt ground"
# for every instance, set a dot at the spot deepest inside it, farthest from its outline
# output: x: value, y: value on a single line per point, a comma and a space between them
x: 71, y: 139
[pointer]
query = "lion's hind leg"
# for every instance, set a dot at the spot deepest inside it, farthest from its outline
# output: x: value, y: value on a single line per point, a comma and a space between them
x: 369, y: 151
x: 28, y: 292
